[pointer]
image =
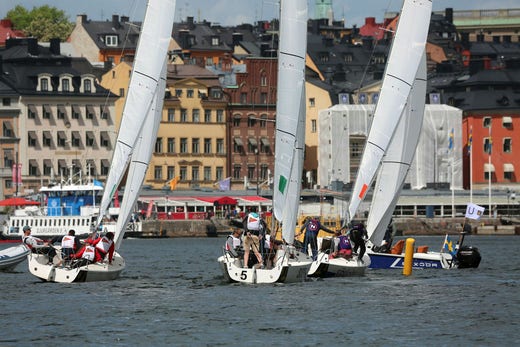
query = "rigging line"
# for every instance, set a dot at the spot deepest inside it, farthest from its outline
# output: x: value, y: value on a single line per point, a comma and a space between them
x: 373, y: 51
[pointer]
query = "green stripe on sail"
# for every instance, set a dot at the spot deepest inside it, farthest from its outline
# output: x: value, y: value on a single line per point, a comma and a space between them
x: 282, y: 184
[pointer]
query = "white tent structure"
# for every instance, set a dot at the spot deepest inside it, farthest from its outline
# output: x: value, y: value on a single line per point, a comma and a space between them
x: 434, y: 164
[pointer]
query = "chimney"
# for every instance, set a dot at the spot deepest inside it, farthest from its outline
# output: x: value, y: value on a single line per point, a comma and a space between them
x: 81, y: 18
x: 55, y: 46
x: 448, y: 14
x: 191, y: 23
x: 237, y: 37
x: 115, y: 21
x: 125, y: 19
x: 32, y: 46
x: 370, y: 21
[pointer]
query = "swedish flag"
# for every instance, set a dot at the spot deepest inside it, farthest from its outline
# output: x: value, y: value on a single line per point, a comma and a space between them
x: 448, y: 246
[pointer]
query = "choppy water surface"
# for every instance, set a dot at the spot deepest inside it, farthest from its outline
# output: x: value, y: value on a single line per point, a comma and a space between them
x: 172, y: 293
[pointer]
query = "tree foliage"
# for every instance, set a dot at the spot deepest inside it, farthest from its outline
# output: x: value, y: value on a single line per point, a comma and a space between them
x: 42, y: 22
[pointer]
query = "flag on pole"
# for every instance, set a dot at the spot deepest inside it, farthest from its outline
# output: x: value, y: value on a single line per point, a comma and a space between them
x: 474, y: 211
x: 174, y: 181
x: 448, y: 246
x: 470, y: 139
x: 225, y: 184
x: 451, y: 139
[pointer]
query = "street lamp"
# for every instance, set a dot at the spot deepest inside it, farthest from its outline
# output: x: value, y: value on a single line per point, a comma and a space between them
x: 257, y: 172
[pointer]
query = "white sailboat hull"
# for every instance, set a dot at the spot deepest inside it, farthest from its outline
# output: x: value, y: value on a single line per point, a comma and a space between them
x: 89, y: 273
x: 428, y: 260
x: 338, y: 267
x: 291, y: 266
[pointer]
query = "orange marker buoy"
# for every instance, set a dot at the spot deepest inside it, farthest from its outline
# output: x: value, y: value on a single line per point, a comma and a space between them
x: 408, y: 257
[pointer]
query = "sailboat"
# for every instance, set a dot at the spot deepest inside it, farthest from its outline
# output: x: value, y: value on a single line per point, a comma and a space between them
x: 403, y: 63
x: 138, y: 130
x: 291, y: 265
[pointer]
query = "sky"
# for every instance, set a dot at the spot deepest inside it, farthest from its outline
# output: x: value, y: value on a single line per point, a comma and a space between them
x: 234, y: 12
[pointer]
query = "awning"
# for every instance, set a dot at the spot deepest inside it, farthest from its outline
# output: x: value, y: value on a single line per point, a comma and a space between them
x: 238, y: 141
x: 8, y: 125
x: 105, y: 163
x: 105, y: 112
x: 252, y: 141
x: 9, y: 154
x: 90, y: 111
x: 237, y: 116
x: 47, y: 134
x: 62, y: 135
x: 508, y: 167
x: 47, y: 109
x: 489, y: 167
x: 76, y: 163
x: 90, y: 135
x: 507, y: 120
x: 76, y: 109
x: 47, y: 163
x: 76, y: 135
x: 62, y: 110
x: 62, y: 164
x: 33, y: 109
x: 32, y: 135
x: 265, y: 142
x: 104, y: 136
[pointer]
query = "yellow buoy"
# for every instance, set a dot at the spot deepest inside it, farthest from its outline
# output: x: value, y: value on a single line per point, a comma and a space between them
x: 408, y: 256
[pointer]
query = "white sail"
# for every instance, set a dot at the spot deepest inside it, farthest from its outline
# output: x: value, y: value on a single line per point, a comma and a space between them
x: 140, y: 160
x: 397, y: 159
x: 149, y: 60
x: 290, y: 115
x: 403, y: 62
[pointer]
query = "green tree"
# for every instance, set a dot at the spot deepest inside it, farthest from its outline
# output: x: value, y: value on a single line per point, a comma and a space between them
x: 42, y: 22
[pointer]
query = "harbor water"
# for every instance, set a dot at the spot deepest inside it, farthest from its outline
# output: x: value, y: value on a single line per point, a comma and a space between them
x: 172, y: 293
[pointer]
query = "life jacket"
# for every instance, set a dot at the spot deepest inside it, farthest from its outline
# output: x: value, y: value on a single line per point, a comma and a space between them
x: 313, y: 225
x: 67, y: 241
x: 236, y: 242
x: 253, y: 221
x: 344, y: 243
x: 88, y: 253
x: 104, y: 244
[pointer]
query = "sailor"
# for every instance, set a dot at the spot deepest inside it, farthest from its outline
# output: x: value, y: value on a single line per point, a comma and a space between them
x: 86, y: 256
x: 358, y: 235
x: 37, y: 245
x: 103, y: 246
x: 252, y: 228
x: 69, y: 244
x: 342, y: 248
x: 312, y: 227
x: 234, y: 243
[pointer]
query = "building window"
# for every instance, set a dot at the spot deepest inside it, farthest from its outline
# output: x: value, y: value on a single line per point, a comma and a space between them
x: 263, y: 98
x: 236, y: 172
x: 170, y: 172
x: 219, y: 173
x: 195, y: 115
x: 121, y: 92
x: 207, y: 173
x: 263, y: 80
x: 195, y: 144
x: 87, y: 85
x: 313, y: 126
x: 243, y: 98
x: 251, y: 121
x: 195, y: 173
x: 487, y: 145
x: 220, y: 146
x: 46, y: 112
x: 183, y: 173
x: 507, y: 145
x: 47, y: 141
x: 157, y: 172
x: 189, y: 93
x: 171, y: 145
x: 207, y: 146
x: 158, y: 145
x: 508, y: 175
x: 44, y: 84
x: 220, y: 116
x: 111, y: 40
x: 184, y: 115
x: 215, y: 41
x: 6, y: 101
x: 47, y: 169
x: 312, y: 102
x: 33, y: 169
x: 65, y: 84
x: 90, y: 141
x: 486, y: 122
x: 104, y: 141
x: 236, y: 121
x: 207, y: 116
x: 264, y: 169
x: 171, y: 115
x: 356, y: 149
x: 184, y: 145
x: 178, y: 93
x: 250, y: 172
